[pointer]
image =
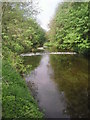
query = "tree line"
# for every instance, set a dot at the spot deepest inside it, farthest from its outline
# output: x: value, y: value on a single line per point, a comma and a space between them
x: 69, y: 29
x: 20, y: 33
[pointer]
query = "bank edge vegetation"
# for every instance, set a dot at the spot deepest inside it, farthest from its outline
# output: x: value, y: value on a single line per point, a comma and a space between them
x: 20, y: 34
x: 70, y: 28
x: 69, y: 31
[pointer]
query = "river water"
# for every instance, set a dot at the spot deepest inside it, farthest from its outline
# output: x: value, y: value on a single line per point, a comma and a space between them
x: 59, y: 83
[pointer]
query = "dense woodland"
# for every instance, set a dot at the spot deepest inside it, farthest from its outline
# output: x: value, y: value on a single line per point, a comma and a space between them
x: 69, y: 29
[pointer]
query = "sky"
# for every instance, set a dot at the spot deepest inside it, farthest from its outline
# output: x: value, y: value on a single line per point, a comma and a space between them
x: 47, y: 11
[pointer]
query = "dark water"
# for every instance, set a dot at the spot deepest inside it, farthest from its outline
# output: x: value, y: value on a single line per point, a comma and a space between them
x: 60, y: 84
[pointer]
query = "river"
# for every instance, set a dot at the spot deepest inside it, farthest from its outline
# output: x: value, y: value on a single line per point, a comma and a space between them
x: 59, y: 83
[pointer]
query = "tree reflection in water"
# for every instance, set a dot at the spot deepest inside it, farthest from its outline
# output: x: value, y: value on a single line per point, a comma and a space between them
x: 71, y: 76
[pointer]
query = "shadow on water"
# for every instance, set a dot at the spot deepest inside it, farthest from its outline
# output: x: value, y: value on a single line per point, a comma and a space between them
x: 60, y: 83
x: 33, y: 60
x: 71, y: 75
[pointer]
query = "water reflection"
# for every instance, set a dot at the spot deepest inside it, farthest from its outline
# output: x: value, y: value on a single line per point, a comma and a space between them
x: 48, y: 95
x: 71, y: 75
x: 33, y: 61
x: 61, y: 83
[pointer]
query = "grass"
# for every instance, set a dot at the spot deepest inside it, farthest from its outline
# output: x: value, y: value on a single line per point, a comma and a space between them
x: 17, y: 102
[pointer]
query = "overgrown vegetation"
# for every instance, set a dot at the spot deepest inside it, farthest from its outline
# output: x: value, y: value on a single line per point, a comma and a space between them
x: 20, y: 33
x: 17, y: 100
x: 69, y: 30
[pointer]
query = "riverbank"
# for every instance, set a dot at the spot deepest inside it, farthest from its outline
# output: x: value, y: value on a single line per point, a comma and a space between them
x: 20, y: 34
x: 17, y: 100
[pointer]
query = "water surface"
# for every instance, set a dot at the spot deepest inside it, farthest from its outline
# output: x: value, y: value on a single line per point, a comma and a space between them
x: 60, y: 84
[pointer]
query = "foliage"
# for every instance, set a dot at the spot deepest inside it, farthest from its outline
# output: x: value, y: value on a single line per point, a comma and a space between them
x: 20, y: 34
x: 70, y: 27
x: 16, y: 98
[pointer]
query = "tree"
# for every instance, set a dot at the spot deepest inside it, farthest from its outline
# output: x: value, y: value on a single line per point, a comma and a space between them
x: 70, y: 27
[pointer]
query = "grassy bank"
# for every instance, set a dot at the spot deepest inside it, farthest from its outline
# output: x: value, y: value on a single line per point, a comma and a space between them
x: 17, y: 101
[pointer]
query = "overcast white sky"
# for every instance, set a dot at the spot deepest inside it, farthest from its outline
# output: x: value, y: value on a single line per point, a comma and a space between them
x: 47, y: 11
